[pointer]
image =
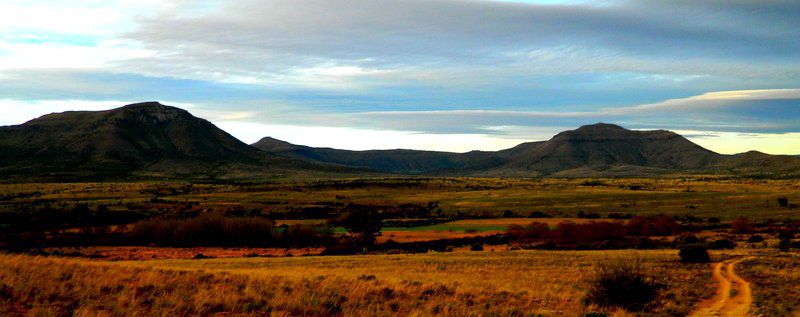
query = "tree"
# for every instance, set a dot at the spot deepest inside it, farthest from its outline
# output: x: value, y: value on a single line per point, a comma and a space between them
x: 363, y: 222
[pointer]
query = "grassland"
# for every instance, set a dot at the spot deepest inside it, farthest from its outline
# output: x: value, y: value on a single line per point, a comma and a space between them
x: 455, y: 284
x: 701, y: 197
x: 775, y: 277
x: 495, y: 282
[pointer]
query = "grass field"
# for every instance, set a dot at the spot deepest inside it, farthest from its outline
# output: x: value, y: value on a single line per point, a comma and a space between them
x: 454, y: 284
x: 776, y: 278
x: 271, y: 279
x: 723, y: 198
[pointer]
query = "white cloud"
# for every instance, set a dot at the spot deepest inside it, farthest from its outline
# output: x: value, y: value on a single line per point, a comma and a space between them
x: 18, y: 112
x: 365, y: 139
x: 715, y: 99
x: 732, y: 142
x: 251, y: 126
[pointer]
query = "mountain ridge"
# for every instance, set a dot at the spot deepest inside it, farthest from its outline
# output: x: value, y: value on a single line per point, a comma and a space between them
x: 600, y: 149
x: 145, y: 139
x: 151, y: 140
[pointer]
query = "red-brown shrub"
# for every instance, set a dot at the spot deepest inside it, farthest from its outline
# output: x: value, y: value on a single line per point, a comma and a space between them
x: 742, y: 225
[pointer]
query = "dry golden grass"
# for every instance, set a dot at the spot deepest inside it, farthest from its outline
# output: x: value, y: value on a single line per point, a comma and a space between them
x: 724, y: 198
x: 451, y: 284
x: 774, y: 277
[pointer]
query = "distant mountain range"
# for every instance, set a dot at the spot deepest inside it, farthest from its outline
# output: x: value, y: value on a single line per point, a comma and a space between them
x: 592, y: 150
x: 143, y: 140
x: 150, y: 140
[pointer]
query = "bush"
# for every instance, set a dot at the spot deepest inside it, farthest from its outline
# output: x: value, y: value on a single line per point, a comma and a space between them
x: 622, y: 283
x: 786, y: 235
x: 742, y: 225
x: 694, y: 253
x: 538, y: 214
x: 722, y: 244
x: 784, y: 245
x: 363, y: 222
x: 783, y: 202
x: 209, y: 229
x: 476, y: 247
x: 755, y: 239
x: 685, y: 240
x: 659, y: 225
x: 215, y: 229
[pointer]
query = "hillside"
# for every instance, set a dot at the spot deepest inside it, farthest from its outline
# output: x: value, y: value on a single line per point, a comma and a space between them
x: 391, y: 161
x: 611, y: 150
x: 150, y: 140
x: 589, y: 151
x: 138, y: 140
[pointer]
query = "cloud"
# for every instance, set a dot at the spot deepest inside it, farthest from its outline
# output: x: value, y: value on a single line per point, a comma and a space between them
x: 275, y: 40
x: 504, y: 70
x: 774, y: 111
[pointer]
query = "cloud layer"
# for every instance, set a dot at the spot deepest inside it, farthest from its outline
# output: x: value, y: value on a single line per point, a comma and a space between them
x: 503, y: 70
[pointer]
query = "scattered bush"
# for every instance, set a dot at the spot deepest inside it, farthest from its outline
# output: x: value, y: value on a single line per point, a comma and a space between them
x: 212, y: 229
x: 742, y: 225
x: 363, y: 222
x: 476, y: 247
x: 784, y: 245
x: 659, y: 225
x: 722, y: 244
x: 215, y: 229
x: 538, y: 214
x: 755, y: 239
x: 622, y: 283
x: 572, y: 233
x: 591, y: 215
x: 783, y: 202
x: 786, y: 235
x: 685, y: 240
x: 694, y: 253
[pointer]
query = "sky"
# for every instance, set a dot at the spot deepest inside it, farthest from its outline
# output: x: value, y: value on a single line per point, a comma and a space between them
x: 453, y: 75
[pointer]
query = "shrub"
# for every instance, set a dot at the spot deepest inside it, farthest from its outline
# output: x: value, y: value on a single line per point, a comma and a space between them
x: 694, y: 253
x: 215, y: 229
x: 659, y: 225
x: 784, y: 245
x: 742, y: 225
x: 476, y: 247
x: 538, y: 214
x: 622, y: 283
x: 786, y: 235
x: 722, y: 244
x: 685, y: 240
x: 363, y: 223
x: 209, y: 229
x: 755, y: 239
x: 783, y: 202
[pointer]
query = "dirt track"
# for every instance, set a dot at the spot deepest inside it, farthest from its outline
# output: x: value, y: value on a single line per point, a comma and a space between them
x: 724, y: 303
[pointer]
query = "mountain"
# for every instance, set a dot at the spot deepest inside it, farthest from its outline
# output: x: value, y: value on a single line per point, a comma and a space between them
x: 610, y: 149
x: 153, y: 141
x: 592, y: 150
x: 138, y: 140
x: 390, y: 161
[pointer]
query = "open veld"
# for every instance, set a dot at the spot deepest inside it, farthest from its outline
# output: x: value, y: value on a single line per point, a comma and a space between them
x: 724, y: 198
x: 507, y: 283
x: 425, y: 261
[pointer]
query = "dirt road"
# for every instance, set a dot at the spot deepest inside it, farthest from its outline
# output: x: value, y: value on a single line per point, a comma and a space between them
x: 725, y: 303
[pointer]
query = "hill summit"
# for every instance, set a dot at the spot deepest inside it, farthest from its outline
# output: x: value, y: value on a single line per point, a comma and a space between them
x: 142, y: 139
x: 151, y: 140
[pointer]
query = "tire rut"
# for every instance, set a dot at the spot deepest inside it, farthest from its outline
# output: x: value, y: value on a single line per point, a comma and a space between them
x: 723, y: 303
